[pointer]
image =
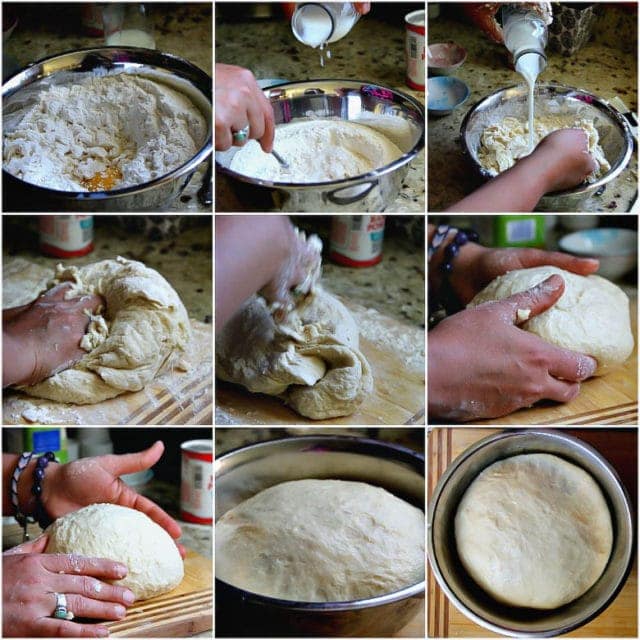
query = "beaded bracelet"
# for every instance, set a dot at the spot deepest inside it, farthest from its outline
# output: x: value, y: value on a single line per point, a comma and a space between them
x: 40, y: 514
x: 23, y: 519
x: 446, y: 302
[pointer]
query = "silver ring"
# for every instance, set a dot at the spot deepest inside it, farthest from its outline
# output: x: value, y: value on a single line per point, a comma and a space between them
x: 242, y: 135
x: 61, y: 612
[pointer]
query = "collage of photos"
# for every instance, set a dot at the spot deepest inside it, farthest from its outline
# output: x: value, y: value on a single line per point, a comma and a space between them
x: 360, y: 360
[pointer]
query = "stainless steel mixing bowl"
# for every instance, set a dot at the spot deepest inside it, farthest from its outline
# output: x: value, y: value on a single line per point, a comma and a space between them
x: 339, y: 99
x: 460, y: 588
x: 615, y: 134
x: 244, y: 472
x: 166, y: 68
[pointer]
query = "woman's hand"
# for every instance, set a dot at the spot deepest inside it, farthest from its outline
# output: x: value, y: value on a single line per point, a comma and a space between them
x: 476, y: 266
x: 31, y: 578
x: 43, y: 337
x: 481, y: 365
x: 239, y: 103
x: 69, y: 487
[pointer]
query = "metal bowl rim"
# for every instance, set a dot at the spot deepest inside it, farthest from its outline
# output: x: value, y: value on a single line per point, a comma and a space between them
x: 433, y: 503
x: 201, y: 155
x: 363, y: 178
x: 613, y: 173
x: 387, y: 598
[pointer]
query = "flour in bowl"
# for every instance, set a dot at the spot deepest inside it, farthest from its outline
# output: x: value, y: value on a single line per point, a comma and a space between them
x: 506, y: 141
x: 317, y: 151
x: 103, y: 133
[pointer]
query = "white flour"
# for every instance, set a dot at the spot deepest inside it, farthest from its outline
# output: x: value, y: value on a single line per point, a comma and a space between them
x: 103, y: 133
x: 318, y: 151
x: 508, y: 140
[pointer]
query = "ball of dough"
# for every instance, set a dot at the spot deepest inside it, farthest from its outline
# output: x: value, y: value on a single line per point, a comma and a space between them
x: 123, y: 535
x: 312, y: 362
x: 591, y: 316
x: 321, y: 541
x: 534, y: 531
x: 143, y: 327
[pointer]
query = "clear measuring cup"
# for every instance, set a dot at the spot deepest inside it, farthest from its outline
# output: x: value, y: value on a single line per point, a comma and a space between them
x: 316, y: 24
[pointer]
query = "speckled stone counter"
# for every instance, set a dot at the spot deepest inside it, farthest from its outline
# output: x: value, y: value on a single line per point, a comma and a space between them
x: 393, y: 287
x: 598, y: 68
x: 181, y: 29
x: 184, y: 260
x: 373, y: 50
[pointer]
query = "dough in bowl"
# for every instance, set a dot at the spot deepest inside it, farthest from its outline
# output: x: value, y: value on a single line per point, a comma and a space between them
x: 123, y: 535
x: 321, y: 541
x: 534, y: 531
x: 591, y: 316
x: 143, y: 329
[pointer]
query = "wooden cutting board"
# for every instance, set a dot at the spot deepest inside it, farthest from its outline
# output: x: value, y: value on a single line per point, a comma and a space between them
x: 610, y: 399
x: 395, y: 352
x: 620, y: 619
x: 415, y: 629
x: 185, y: 611
x: 173, y: 398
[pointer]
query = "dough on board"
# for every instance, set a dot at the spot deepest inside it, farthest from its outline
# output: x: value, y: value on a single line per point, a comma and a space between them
x: 312, y: 362
x: 123, y: 535
x: 534, y: 531
x: 506, y: 141
x: 321, y: 541
x: 591, y: 316
x: 143, y: 329
x: 318, y: 151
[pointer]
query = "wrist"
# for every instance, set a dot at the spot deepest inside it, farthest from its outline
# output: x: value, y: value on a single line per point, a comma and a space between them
x: 18, y: 358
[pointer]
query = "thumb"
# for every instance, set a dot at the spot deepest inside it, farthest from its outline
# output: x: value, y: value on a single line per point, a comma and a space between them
x: 534, y: 301
x: 132, y: 462
x: 33, y: 546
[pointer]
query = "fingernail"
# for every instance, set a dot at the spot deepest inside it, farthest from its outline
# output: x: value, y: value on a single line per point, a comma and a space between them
x: 120, y: 611
x: 121, y: 570
x: 129, y: 597
x: 102, y: 632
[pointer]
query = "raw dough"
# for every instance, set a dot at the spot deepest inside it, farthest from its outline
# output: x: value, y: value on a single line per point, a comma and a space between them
x: 591, y: 316
x: 505, y: 142
x: 123, y: 535
x: 534, y: 531
x: 321, y: 541
x: 317, y: 151
x: 144, y: 328
x: 103, y: 133
x: 312, y: 363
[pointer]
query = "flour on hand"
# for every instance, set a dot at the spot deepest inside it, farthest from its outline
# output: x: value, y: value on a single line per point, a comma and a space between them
x: 103, y: 133
x: 317, y: 151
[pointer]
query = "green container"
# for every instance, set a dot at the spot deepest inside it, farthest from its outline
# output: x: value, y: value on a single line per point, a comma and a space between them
x: 519, y: 231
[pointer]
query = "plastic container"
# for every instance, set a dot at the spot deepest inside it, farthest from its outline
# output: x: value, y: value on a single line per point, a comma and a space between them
x: 66, y: 236
x: 356, y: 241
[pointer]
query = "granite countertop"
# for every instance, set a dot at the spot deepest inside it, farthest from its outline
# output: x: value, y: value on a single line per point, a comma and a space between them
x: 181, y: 29
x: 184, y: 260
x: 598, y: 67
x: 373, y: 50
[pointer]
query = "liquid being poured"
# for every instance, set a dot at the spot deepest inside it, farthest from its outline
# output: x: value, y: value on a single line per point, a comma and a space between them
x: 529, y: 66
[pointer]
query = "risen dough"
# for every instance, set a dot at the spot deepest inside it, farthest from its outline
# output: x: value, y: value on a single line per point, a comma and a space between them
x: 506, y: 141
x: 534, y: 531
x: 318, y: 151
x: 144, y: 326
x: 591, y: 316
x: 321, y: 541
x: 123, y: 535
x: 312, y: 363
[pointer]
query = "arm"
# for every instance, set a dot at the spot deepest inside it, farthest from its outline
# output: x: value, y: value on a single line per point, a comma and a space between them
x: 258, y: 253
x: 560, y: 161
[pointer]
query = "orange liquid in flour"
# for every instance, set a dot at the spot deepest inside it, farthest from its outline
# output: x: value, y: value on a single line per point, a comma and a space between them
x: 104, y: 180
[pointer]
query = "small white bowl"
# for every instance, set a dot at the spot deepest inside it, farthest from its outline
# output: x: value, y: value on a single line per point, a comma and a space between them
x: 617, y: 249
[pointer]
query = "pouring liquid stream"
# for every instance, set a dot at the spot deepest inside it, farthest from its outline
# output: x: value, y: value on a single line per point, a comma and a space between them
x: 528, y: 66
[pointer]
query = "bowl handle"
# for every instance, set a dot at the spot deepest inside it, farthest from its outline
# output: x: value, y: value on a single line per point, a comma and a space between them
x: 351, y: 194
